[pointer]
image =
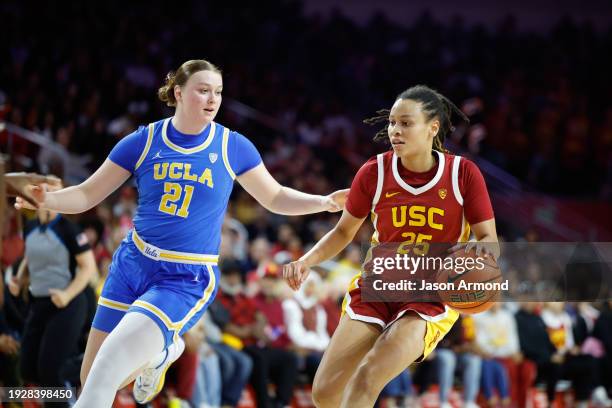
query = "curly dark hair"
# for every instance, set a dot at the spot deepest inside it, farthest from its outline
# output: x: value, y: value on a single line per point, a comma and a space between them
x: 433, y: 104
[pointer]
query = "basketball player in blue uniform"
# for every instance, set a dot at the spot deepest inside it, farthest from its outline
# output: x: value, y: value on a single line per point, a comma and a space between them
x: 164, y: 274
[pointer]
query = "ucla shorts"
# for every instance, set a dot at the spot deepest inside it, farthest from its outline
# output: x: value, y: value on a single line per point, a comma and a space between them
x: 174, y: 289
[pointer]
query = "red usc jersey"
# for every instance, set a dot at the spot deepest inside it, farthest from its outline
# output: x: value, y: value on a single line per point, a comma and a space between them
x: 407, y: 207
x: 435, y: 206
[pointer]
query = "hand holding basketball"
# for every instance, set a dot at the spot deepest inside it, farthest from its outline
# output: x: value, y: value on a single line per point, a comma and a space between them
x: 473, y: 283
x: 481, y: 248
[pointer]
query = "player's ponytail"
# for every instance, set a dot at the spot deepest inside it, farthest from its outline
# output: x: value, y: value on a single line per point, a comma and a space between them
x: 433, y: 104
x: 166, y: 92
x: 180, y: 78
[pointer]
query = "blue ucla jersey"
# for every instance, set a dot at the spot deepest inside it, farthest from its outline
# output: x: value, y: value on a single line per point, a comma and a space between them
x: 184, y: 182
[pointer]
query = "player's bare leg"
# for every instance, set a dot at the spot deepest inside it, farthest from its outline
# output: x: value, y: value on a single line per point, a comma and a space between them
x: 350, y: 342
x: 94, y: 342
x: 393, y: 352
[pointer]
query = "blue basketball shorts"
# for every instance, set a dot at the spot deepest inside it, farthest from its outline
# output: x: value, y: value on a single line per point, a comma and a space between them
x: 172, y: 293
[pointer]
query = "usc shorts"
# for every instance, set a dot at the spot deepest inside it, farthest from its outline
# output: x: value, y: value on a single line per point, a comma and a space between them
x: 438, y: 317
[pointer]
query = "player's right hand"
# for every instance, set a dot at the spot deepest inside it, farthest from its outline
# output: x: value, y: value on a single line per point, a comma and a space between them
x: 295, y: 273
x: 37, y: 195
x: 19, y: 184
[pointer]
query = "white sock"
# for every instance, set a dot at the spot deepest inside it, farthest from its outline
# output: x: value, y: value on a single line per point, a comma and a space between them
x: 136, y: 340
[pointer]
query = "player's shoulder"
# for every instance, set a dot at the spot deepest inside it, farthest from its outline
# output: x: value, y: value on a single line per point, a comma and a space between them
x: 373, y: 160
x: 233, y: 135
x: 141, y: 132
x: 370, y: 167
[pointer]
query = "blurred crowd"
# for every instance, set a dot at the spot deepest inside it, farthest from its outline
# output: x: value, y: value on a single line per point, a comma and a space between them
x: 538, y: 102
x: 539, y: 108
x: 259, y: 334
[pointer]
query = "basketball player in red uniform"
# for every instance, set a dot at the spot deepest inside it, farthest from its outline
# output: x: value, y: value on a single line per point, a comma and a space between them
x: 415, y: 193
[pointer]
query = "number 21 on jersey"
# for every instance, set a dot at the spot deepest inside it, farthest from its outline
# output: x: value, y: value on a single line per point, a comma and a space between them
x: 173, y: 193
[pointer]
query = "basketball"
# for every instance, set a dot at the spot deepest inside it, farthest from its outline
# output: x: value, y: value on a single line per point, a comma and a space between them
x: 472, y: 283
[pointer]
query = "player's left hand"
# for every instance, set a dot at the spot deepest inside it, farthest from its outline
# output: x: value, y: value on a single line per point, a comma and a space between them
x: 295, y: 273
x: 59, y: 298
x: 337, y: 199
x: 484, y: 249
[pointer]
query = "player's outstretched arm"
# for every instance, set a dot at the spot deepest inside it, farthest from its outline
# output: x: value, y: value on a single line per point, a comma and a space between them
x: 259, y: 183
x: 82, y: 197
x: 295, y: 273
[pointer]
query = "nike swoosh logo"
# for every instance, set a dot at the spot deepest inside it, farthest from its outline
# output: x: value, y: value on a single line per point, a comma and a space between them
x: 389, y: 195
x: 452, y: 279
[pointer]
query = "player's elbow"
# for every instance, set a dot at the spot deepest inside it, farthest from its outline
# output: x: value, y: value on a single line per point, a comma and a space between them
x: 275, y: 202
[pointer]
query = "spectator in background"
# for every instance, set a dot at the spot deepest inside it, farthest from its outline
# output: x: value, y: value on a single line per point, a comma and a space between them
x: 183, y: 374
x: 209, y: 383
x: 60, y: 264
x: 458, y: 347
x: 12, y: 243
x: 274, y: 348
x: 235, y: 365
x: 344, y: 271
x: 94, y: 229
x: 286, y: 234
x: 239, y: 238
x: 306, y: 322
x: 497, y: 339
x: 536, y: 345
x: 603, y: 332
x: 9, y: 347
x: 580, y: 369
x: 584, y: 317
x: 259, y: 255
x: 398, y: 392
x: 262, y: 339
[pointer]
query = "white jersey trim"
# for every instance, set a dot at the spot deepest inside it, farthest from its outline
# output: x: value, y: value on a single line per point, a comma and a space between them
x: 380, y: 165
x: 455, y: 180
x: 204, y: 145
x: 381, y: 178
x: 426, y: 187
x: 225, y: 154
x: 145, y: 151
x: 362, y: 318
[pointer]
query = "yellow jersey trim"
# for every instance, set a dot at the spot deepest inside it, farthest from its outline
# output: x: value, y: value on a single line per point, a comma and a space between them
x: 225, y: 155
x: 204, y: 145
x: 113, y: 304
x: 157, y: 312
x: 145, y: 151
x: 212, y: 282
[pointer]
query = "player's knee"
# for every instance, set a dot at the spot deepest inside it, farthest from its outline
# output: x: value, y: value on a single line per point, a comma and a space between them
x: 365, y: 378
x: 324, y: 394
